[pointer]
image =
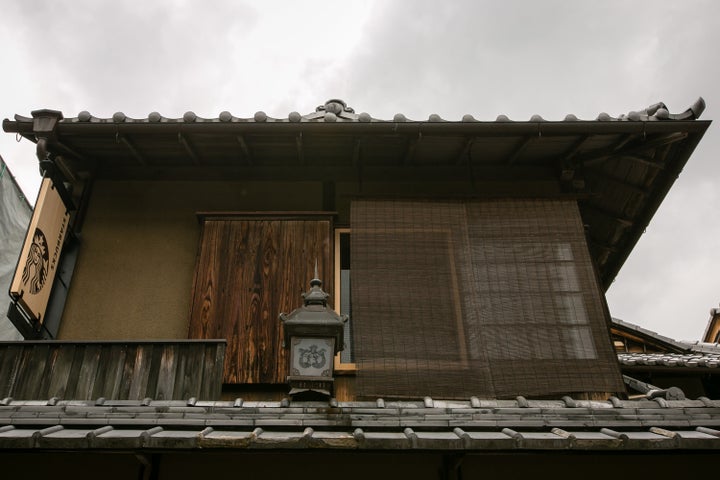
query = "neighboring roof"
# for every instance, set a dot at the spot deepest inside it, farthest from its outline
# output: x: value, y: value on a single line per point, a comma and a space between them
x: 690, y: 360
x: 620, y: 168
x: 473, y: 425
x: 679, y: 353
x: 649, y: 336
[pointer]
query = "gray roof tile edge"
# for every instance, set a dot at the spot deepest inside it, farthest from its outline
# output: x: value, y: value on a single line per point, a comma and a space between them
x: 517, y: 438
x: 337, y: 111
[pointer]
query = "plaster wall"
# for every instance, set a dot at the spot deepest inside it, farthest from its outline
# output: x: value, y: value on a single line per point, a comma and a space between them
x: 134, y: 274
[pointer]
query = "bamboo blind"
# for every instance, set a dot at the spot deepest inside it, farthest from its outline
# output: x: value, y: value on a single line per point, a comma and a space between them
x: 492, y: 298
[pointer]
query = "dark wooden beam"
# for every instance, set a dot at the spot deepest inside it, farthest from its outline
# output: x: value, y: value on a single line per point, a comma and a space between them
x: 356, y: 152
x: 133, y: 150
x: 575, y: 147
x: 620, y: 182
x: 185, y: 142
x: 62, y: 145
x: 244, y: 148
x: 370, y: 173
x: 592, y: 158
x: 519, y: 149
x: 465, y: 151
x: 621, y: 219
x: 646, y: 160
x: 412, y: 145
x: 299, y: 148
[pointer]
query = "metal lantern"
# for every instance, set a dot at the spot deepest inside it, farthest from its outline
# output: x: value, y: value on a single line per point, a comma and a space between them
x: 314, y: 334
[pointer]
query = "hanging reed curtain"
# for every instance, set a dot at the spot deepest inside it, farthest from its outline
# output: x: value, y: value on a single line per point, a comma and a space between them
x: 494, y: 298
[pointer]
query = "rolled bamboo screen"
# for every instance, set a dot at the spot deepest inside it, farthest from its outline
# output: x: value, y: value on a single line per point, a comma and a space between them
x: 493, y: 298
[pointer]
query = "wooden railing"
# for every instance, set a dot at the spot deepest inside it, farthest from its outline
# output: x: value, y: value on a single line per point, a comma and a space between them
x: 120, y: 370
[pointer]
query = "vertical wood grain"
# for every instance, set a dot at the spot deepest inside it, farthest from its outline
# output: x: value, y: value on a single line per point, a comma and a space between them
x: 88, y: 372
x: 166, y: 374
x: 10, y: 356
x: 140, y: 373
x: 248, y: 272
x: 59, y: 375
x: 134, y: 370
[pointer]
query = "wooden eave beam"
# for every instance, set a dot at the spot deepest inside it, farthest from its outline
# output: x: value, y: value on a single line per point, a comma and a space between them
x: 356, y: 152
x: 185, y: 142
x: 133, y: 150
x: 657, y: 162
x: 645, y: 160
x: 519, y: 149
x: 299, y: 148
x: 620, y: 182
x: 465, y: 151
x: 592, y: 158
x: 244, y: 149
x: 622, y: 220
x: 57, y: 142
x: 411, y: 148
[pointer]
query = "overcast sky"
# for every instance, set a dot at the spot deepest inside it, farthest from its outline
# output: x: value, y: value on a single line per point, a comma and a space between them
x: 415, y: 57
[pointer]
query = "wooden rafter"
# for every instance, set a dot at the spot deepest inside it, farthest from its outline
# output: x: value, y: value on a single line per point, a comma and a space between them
x: 133, y: 150
x: 411, y: 148
x: 356, y: 152
x: 465, y: 151
x: 519, y: 149
x: 244, y: 148
x: 621, y: 182
x: 621, y: 219
x: 299, y: 148
x: 592, y: 158
x: 185, y: 142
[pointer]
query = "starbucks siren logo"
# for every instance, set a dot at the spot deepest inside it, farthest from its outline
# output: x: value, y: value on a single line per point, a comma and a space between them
x: 36, y: 266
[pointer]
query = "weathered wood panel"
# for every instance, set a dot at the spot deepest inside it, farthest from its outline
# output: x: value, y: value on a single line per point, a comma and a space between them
x: 249, y: 270
x: 113, y: 370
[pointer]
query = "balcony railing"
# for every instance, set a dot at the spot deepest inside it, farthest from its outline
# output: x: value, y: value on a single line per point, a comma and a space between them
x: 119, y: 370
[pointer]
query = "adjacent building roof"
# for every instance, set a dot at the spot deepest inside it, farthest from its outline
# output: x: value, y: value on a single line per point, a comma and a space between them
x: 473, y: 425
x: 696, y: 355
x: 620, y: 168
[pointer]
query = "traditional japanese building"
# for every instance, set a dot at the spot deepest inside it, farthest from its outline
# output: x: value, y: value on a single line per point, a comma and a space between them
x: 456, y: 311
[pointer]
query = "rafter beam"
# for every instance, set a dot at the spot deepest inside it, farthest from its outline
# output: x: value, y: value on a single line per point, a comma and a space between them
x: 621, y: 182
x: 519, y: 149
x: 621, y: 219
x: 646, y: 160
x: 299, y: 148
x: 185, y: 142
x: 465, y: 151
x: 575, y: 147
x: 411, y: 148
x: 356, y: 153
x: 244, y: 149
x: 133, y: 150
x: 592, y: 158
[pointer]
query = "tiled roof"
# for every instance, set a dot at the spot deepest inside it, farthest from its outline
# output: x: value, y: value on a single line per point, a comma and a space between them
x: 692, y: 354
x: 690, y: 360
x: 473, y: 425
x: 335, y: 110
x: 649, y: 333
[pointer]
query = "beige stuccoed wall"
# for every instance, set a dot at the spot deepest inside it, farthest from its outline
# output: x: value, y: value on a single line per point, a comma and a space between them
x: 134, y: 274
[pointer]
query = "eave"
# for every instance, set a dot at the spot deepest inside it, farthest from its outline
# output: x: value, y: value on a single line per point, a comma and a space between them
x: 619, y: 169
